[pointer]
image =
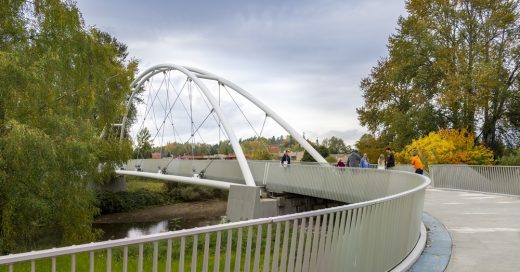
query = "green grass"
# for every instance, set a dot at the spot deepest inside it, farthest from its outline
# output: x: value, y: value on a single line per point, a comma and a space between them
x: 136, y: 183
x: 82, y: 260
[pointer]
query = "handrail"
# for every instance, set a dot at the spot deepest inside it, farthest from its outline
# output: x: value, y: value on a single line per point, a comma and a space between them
x: 329, y: 239
x: 500, y: 179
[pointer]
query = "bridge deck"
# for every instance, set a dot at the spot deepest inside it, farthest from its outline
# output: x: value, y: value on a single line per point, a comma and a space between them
x: 485, y: 229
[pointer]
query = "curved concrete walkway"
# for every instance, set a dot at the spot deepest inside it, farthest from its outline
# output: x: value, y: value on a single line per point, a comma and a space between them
x: 485, y: 228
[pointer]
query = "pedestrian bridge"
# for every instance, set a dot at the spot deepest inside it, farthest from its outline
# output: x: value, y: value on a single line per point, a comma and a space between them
x: 375, y: 224
x: 375, y: 231
x: 378, y: 231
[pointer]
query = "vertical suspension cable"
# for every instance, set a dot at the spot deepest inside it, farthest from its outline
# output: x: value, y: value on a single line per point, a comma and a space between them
x: 173, y: 104
x: 141, y: 127
x: 219, y: 140
x: 149, y: 101
x: 241, y: 111
x: 166, y: 75
x: 265, y: 120
x: 190, y: 91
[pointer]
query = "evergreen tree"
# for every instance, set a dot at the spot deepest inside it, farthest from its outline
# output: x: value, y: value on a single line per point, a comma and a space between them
x: 324, y: 152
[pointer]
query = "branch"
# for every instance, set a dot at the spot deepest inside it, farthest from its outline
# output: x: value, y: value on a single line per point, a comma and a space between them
x: 513, y: 76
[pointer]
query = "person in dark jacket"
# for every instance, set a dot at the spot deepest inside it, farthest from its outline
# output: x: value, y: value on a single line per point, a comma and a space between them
x: 340, y: 164
x: 286, y: 159
x: 354, y: 159
x: 390, y: 160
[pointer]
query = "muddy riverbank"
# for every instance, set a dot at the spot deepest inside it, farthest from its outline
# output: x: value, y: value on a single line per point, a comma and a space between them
x: 187, y: 210
x: 160, y: 219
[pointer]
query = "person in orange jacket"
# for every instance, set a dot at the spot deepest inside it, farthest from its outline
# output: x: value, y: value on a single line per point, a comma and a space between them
x: 417, y: 164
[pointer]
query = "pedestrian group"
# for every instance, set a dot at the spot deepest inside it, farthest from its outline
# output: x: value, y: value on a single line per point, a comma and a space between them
x: 356, y: 160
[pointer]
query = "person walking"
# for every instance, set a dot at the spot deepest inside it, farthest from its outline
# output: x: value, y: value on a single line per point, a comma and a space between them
x: 354, y: 159
x: 381, y: 162
x: 390, y: 161
x: 364, y: 161
x: 417, y: 163
x: 286, y: 159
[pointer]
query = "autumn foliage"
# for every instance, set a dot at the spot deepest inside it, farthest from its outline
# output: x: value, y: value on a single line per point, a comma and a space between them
x: 447, y: 146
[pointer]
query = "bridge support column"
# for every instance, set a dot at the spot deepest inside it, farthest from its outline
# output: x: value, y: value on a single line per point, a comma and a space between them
x: 244, y: 203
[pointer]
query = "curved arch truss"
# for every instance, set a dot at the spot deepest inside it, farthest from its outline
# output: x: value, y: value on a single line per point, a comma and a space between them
x: 193, y: 76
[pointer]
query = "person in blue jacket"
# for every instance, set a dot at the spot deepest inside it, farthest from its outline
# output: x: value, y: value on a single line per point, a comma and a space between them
x: 364, y: 162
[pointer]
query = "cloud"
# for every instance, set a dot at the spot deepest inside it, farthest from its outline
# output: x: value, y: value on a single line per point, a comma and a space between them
x: 304, y: 59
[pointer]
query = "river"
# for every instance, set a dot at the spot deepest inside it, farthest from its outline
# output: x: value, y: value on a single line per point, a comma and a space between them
x: 161, y: 219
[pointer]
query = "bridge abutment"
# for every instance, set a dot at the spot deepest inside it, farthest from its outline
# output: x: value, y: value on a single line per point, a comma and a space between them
x: 244, y: 203
x: 247, y: 202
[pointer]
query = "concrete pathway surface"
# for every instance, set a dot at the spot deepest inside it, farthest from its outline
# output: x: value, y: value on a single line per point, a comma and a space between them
x: 485, y: 229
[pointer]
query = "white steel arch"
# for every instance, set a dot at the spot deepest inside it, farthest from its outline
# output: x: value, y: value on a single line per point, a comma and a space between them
x: 196, y: 75
x: 315, y: 154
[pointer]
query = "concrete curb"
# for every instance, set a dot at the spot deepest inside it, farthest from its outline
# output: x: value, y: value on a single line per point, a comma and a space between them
x: 437, y: 253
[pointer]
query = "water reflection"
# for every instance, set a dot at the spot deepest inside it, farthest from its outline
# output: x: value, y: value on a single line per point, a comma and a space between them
x: 131, y: 230
x: 156, y: 228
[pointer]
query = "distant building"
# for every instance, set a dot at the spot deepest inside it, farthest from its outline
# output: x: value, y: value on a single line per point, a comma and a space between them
x: 274, y: 149
x: 207, y: 157
x: 160, y: 155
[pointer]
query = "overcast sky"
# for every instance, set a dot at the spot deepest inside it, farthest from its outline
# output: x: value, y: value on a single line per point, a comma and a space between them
x: 302, y: 58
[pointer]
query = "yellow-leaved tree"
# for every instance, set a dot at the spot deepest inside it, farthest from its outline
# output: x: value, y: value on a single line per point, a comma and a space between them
x: 447, y: 146
x: 256, y: 149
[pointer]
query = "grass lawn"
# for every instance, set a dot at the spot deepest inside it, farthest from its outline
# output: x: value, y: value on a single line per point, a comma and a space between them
x: 82, y: 260
x: 137, y: 183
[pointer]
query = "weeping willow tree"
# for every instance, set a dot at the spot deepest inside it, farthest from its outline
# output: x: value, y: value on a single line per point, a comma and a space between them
x: 451, y: 64
x: 63, y: 85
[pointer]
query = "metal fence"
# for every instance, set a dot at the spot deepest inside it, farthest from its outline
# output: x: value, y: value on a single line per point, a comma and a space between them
x: 482, y: 178
x: 350, y: 185
x: 373, y: 235
x: 227, y: 170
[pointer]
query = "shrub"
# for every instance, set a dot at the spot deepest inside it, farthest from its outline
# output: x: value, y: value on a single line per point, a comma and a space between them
x: 186, y: 192
x: 330, y: 159
x: 447, y: 146
x: 511, y: 159
x: 324, y: 152
x: 109, y: 202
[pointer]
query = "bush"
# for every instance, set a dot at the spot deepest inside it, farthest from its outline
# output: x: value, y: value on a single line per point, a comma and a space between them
x: 511, y: 159
x: 447, y: 146
x: 186, y: 192
x: 324, y: 152
x: 172, y: 192
x: 109, y: 202
x: 331, y: 159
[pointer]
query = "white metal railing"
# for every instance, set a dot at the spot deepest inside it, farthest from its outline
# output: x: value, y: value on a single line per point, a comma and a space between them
x: 227, y: 170
x: 482, y: 178
x: 373, y: 235
x: 350, y: 185
x: 217, y: 169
